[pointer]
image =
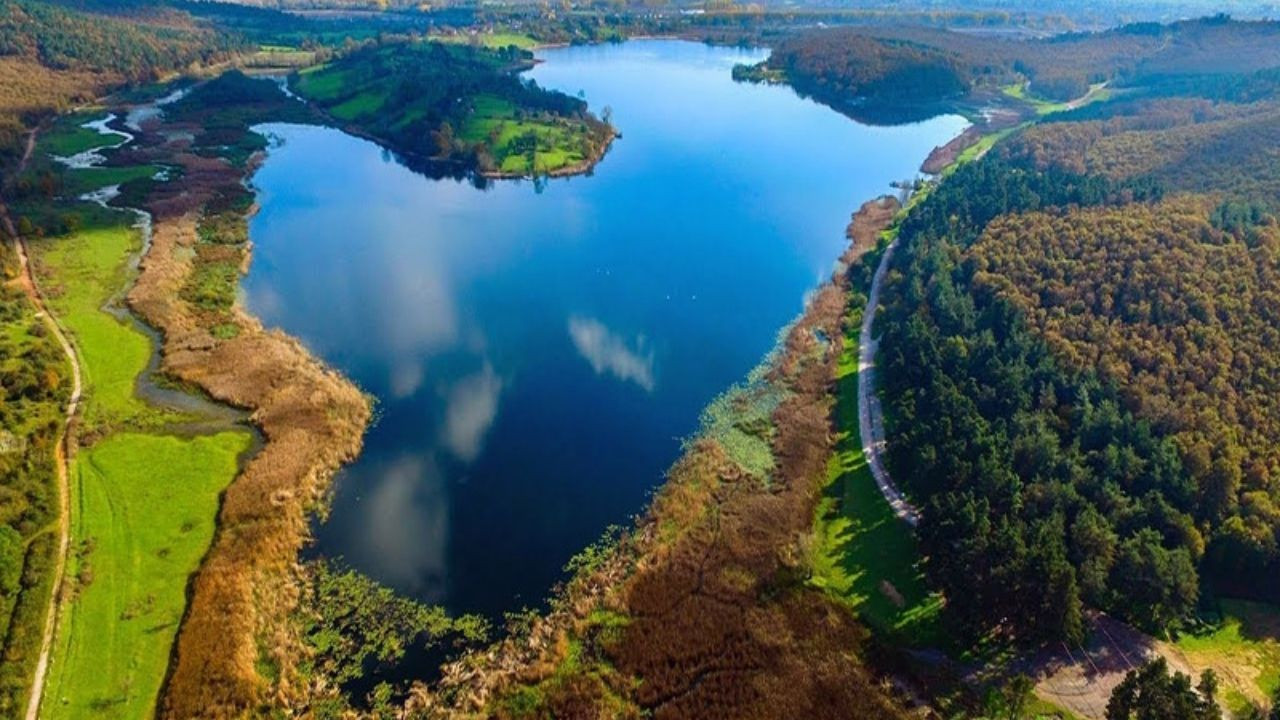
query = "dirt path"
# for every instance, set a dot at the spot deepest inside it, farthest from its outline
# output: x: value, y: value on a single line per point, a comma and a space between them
x: 1086, y: 98
x: 62, y: 455
x: 870, y: 418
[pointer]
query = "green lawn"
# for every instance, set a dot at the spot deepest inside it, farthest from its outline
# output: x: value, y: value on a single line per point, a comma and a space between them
x: 364, y: 104
x: 67, y: 137
x: 143, y: 517
x: 321, y: 83
x: 558, y: 143
x: 495, y: 40
x: 1243, y: 648
x: 83, y: 180
x: 143, y: 503
x: 81, y: 271
x: 865, y: 555
x: 982, y: 147
x: 1097, y: 93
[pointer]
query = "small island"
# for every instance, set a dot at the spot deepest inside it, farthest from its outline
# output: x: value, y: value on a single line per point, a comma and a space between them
x: 458, y: 108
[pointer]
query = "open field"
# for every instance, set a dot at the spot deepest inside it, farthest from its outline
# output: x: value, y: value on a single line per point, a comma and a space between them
x: 144, y: 509
x: 494, y: 40
x: 1242, y: 647
x: 143, y: 505
x: 865, y: 555
x: 85, y: 180
x: 525, y: 145
x: 80, y: 272
x: 1098, y: 92
x: 321, y: 83
x: 365, y: 103
x: 67, y: 137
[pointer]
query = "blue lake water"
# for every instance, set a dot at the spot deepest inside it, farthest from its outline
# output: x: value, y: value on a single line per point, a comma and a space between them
x: 537, y: 355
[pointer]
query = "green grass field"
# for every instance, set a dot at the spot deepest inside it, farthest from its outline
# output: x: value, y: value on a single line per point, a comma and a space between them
x: 321, y: 83
x: 143, y: 518
x: 494, y: 119
x: 865, y: 556
x: 1243, y: 648
x: 1097, y: 93
x: 980, y: 148
x: 366, y: 103
x: 144, y: 501
x: 81, y: 271
x: 86, y: 180
x: 496, y: 40
x: 67, y: 137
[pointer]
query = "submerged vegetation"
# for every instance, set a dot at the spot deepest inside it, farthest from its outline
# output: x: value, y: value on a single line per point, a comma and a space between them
x: 460, y: 106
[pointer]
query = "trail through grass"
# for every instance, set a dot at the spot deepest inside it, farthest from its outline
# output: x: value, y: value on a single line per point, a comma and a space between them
x: 143, y: 503
x: 865, y: 556
x: 144, y: 516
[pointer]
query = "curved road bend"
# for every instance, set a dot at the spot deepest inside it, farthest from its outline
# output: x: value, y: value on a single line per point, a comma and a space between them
x: 62, y: 456
x: 870, y: 418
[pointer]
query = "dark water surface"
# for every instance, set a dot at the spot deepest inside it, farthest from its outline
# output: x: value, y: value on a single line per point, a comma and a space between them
x: 537, y: 355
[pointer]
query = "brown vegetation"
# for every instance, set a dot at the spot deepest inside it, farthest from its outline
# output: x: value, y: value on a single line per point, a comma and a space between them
x: 866, y: 225
x: 312, y: 421
x: 1186, y: 143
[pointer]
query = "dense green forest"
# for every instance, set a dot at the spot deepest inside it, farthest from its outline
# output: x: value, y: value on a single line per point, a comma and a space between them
x: 1176, y: 305
x: 458, y: 106
x: 849, y: 64
x: 64, y: 39
x: 1079, y: 383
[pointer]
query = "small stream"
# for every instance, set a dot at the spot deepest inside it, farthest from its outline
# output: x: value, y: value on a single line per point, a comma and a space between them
x: 149, y: 385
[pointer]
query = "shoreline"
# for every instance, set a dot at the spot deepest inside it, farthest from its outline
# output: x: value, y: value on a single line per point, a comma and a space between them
x: 310, y: 420
x: 702, y: 483
x: 247, y: 585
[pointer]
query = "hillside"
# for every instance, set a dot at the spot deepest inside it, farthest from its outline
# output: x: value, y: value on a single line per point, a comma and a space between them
x: 455, y: 106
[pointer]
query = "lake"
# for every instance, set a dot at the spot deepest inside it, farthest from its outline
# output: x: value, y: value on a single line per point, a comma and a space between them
x: 538, y: 352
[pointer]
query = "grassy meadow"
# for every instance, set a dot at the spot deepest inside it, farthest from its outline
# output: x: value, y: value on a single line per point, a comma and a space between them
x: 864, y: 555
x: 143, y: 517
x: 1243, y: 647
x: 85, y: 180
x: 68, y: 137
x: 492, y: 40
x: 82, y: 271
x: 524, y: 145
x: 144, y: 500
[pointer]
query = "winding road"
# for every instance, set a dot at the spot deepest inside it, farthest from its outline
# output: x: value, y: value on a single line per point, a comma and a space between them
x: 870, y: 418
x: 62, y: 454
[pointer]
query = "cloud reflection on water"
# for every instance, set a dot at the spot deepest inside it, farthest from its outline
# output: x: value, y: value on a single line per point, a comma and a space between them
x: 471, y: 406
x: 407, y: 527
x: 609, y: 353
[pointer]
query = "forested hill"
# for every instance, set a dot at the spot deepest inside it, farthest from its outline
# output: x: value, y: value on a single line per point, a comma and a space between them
x: 52, y: 57
x: 1080, y: 358
x: 136, y: 48
x: 454, y: 106
x: 924, y: 65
